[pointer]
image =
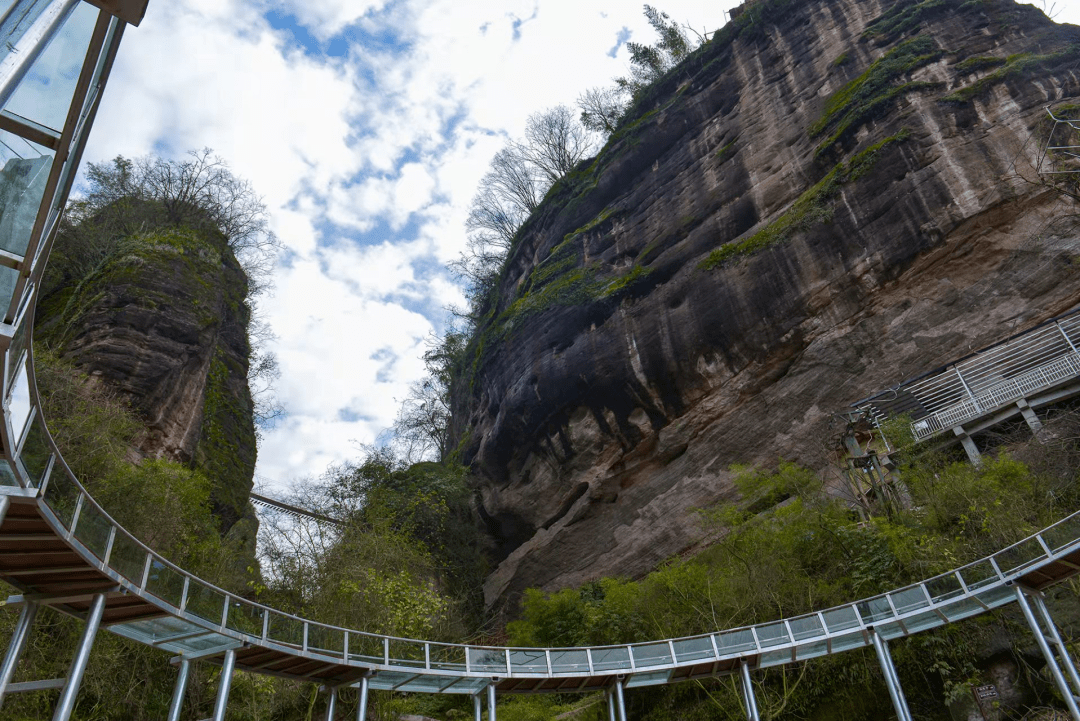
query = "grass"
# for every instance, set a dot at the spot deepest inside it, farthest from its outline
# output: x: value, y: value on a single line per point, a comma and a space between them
x: 812, y: 207
x: 976, y: 63
x: 901, y: 19
x: 1011, y: 67
x: 871, y: 94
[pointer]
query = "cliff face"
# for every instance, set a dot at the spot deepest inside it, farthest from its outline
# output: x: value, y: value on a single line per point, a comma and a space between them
x: 830, y: 196
x: 162, y: 320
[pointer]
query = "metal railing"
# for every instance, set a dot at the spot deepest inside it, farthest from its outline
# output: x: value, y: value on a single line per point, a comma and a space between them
x: 986, y: 381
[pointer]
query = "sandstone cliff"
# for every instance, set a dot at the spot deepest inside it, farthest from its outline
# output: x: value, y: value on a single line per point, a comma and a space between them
x: 829, y: 196
x: 161, y: 318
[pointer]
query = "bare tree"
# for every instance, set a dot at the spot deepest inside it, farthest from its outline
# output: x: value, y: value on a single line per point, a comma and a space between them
x: 422, y: 427
x: 601, y: 109
x: 555, y: 141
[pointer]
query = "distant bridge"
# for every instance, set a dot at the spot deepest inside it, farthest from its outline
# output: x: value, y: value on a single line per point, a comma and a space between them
x: 61, y: 549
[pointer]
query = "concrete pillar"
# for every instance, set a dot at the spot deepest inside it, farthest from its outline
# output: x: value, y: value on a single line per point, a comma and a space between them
x: 1029, y: 415
x: 969, y: 446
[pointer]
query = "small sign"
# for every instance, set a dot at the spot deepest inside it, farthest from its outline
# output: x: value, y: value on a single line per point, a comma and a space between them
x: 984, y: 693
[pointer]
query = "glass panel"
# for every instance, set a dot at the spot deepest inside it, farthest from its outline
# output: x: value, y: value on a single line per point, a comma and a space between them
x: 811, y: 650
x: 848, y: 641
x: 874, y: 609
x: 611, y: 659
x: 978, y: 574
x: 24, y: 173
x: 411, y: 653
x: 943, y: 588
x: 44, y: 95
x: 489, y: 659
x: 7, y: 476
x: 15, y: 24
x: 692, y: 649
x: 962, y: 609
x: 653, y: 654
x: 909, y: 599
x: 1063, y: 533
x: 922, y: 622
x: 889, y: 630
x: 806, y: 627
x: 841, y: 619
x: 326, y: 639
x: 15, y: 353
x: 92, y: 530
x: 370, y: 648
x: 569, y: 661
x: 648, y: 679
x: 35, y: 453
x: 774, y: 658
x: 731, y: 642
x: 19, y: 405
x: 165, y: 583
x: 127, y: 557
x: 996, y: 595
x: 61, y: 496
x: 244, y: 617
x: 772, y: 634
x: 1018, y: 555
x: 446, y: 657
x: 204, y: 602
x: 426, y: 684
x: 528, y: 662
x: 284, y: 629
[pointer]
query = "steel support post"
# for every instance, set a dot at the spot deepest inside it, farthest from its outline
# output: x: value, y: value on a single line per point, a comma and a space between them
x: 66, y: 704
x: 1048, y: 654
x: 491, y: 701
x: 1055, y: 636
x: 478, y: 708
x: 620, y: 699
x: 331, y: 704
x: 361, y: 707
x: 224, y: 686
x: 16, y: 646
x: 179, y: 690
x: 610, y: 705
x: 747, y: 685
x: 891, y: 679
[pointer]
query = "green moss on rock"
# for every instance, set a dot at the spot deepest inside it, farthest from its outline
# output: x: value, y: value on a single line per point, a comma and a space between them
x: 812, y: 207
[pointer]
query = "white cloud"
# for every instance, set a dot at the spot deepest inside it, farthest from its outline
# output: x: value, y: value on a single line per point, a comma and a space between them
x: 367, y: 163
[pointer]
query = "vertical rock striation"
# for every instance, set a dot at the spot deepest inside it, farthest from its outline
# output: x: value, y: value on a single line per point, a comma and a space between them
x: 829, y: 196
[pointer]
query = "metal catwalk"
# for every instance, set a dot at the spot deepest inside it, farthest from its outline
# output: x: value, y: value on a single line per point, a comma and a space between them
x: 61, y: 549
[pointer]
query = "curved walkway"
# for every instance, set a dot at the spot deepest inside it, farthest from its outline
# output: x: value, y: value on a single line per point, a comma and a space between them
x: 61, y: 549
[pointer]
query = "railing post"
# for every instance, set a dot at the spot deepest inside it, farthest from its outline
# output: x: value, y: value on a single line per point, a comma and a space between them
x: 66, y: 704
x: 967, y: 388
x: 17, y: 645
x: 179, y: 690
x: 1048, y: 654
x: 224, y: 686
x: 747, y: 687
x: 891, y: 679
x: 1066, y: 337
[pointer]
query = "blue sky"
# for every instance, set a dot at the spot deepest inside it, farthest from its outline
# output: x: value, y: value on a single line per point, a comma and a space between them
x: 366, y: 125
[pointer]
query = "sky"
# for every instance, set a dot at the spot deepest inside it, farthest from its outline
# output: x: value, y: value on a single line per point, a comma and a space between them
x: 366, y: 126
